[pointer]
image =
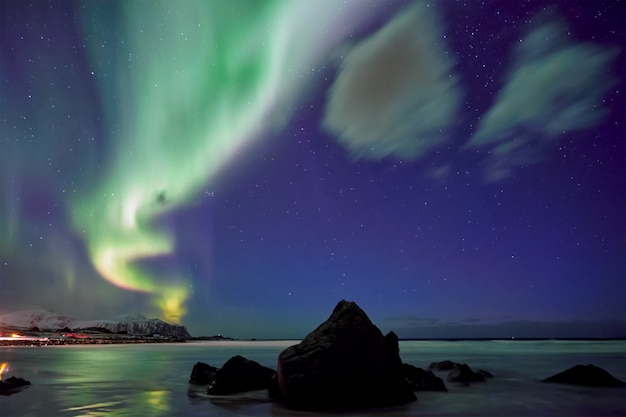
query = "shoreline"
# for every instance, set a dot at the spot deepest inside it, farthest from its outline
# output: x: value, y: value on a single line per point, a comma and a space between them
x: 42, y: 342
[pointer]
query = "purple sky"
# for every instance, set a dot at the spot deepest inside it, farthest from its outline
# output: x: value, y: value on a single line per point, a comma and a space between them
x: 457, y: 169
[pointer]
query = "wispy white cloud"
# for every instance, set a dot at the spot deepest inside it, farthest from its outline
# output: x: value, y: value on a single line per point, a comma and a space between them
x: 395, y: 94
x: 555, y: 86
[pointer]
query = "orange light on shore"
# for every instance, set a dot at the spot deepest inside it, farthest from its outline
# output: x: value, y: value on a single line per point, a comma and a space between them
x: 16, y: 335
x: 3, y: 368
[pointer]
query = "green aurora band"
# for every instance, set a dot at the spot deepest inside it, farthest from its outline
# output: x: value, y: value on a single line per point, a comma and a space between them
x: 184, y: 85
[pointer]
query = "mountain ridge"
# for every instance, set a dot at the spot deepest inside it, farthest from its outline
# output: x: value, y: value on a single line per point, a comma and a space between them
x: 131, y: 324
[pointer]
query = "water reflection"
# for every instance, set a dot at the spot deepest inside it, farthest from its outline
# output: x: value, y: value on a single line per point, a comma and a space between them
x: 128, y: 380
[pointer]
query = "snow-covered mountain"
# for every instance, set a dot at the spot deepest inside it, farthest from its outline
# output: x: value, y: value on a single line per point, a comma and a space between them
x: 139, y: 326
x: 134, y: 325
x: 40, y: 318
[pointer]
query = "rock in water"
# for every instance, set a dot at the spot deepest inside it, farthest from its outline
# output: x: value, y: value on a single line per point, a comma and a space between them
x: 345, y: 363
x: 202, y: 374
x: 464, y: 374
x: 589, y: 375
x: 12, y: 385
x: 239, y: 375
x: 443, y: 365
x: 421, y: 380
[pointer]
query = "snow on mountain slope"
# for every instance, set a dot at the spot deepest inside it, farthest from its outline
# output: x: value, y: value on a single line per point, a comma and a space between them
x: 135, y: 325
x: 40, y: 318
x: 139, y: 327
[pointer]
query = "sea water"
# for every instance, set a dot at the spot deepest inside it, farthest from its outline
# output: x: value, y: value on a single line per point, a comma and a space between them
x: 152, y: 380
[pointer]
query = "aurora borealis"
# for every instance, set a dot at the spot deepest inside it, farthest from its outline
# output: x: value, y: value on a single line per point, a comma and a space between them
x: 240, y: 166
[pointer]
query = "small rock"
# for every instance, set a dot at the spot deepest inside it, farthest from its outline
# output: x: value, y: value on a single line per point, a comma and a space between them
x: 12, y: 385
x: 421, y: 380
x: 203, y: 374
x: 443, y: 366
x: 239, y: 375
x: 464, y: 374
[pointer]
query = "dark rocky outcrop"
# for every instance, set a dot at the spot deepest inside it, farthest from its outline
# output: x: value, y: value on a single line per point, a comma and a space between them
x: 346, y: 362
x: 422, y: 380
x: 12, y: 385
x: 460, y: 372
x: 203, y: 374
x: 239, y: 375
x: 443, y: 366
x: 588, y: 375
x: 465, y: 375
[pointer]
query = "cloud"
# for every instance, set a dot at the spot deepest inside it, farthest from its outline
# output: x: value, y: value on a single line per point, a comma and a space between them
x: 472, y: 328
x: 395, y: 94
x: 555, y: 86
x: 471, y: 320
x: 410, y: 321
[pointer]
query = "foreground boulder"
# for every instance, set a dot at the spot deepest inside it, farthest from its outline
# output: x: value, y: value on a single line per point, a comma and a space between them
x: 203, y: 374
x: 421, y: 380
x: 239, y: 375
x: 588, y: 375
x: 345, y: 363
x: 12, y: 385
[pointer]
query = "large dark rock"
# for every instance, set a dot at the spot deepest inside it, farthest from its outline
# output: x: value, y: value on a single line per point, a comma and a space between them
x: 344, y: 363
x: 203, y: 374
x: 12, y: 385
x: 421, y: 380
x: 239, y: 375
x: 465, y: 375
x: 589, y: 375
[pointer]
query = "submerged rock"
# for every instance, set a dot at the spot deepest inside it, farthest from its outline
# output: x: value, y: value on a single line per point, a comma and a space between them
x: 422, y: 380
x: 203, y: 374
x: 12, y: 385
x: 239, y: 375
x: 443, y: 365
x: 588, y: 375
x: 465, y: 375
x: 346, y: 362
x: 460, y: 372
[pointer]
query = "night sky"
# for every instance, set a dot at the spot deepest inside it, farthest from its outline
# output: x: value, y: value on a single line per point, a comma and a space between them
x: 456, y: 168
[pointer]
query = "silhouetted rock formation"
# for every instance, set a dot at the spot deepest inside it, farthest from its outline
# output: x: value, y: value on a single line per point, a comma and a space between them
x: 239, y: 375
x: 465, y: 375
x: 421, y: 380
x: 203, y: 374
x: 344, y: 363
x: 460, y: 372
x: 589, y: 375
x: 443, y: 366
x: 12, y: 385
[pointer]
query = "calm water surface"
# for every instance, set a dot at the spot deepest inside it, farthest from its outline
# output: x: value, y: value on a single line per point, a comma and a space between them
x: 152, y: 380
